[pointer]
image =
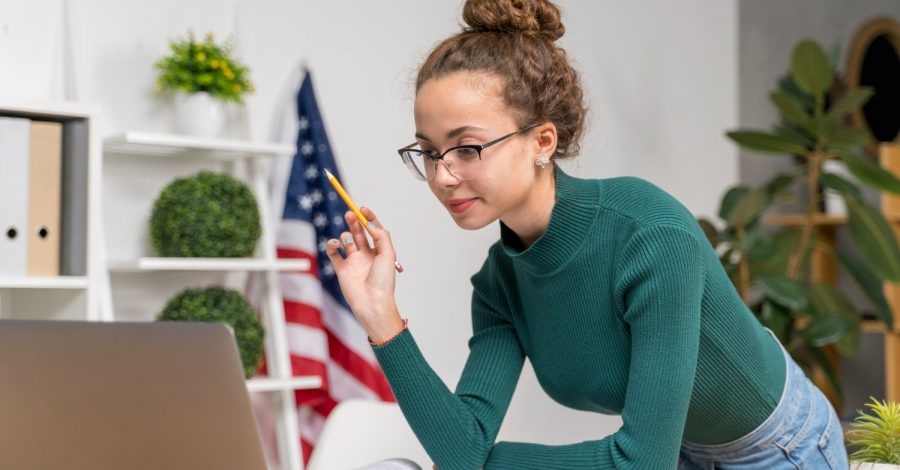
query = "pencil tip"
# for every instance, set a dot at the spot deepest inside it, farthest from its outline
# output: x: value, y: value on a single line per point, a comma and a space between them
x: 328, y: 173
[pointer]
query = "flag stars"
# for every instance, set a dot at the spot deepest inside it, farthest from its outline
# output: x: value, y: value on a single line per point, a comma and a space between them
x: 316, y: 196
x: 306, y: 202
x: 322, y: 148
x: 338, y: 221
x: 304, y: 123
x: 312, y: 172
x: 323, y: 244
x: 307, y: 148
x: 320, y: 220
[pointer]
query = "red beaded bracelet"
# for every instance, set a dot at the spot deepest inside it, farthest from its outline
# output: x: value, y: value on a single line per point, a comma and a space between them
x: 382, y: 343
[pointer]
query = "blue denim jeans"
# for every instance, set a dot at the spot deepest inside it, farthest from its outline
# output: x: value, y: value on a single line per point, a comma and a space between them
x: 803, y: 432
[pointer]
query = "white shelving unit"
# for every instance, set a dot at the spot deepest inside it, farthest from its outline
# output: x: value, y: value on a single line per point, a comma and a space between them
x: 247, y: 158
x: 79, y: 296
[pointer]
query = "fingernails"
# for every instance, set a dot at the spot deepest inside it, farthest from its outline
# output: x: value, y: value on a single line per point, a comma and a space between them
x: 372, y: 224
x: 348, y: 240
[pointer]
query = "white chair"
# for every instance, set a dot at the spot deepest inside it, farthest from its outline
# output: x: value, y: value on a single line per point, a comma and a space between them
x: 358, y: 433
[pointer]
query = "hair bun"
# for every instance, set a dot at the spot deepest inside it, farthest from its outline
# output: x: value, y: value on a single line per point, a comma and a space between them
x: 538, y: 17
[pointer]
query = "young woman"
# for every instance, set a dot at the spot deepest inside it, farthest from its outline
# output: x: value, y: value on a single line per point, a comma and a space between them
x: 608, y: 286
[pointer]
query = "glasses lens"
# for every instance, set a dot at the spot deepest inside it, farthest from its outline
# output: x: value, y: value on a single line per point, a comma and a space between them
x: 419, y: 165
x: 463, y: 163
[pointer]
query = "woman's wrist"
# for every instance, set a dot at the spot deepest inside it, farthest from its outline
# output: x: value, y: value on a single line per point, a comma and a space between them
x: 385, y: 327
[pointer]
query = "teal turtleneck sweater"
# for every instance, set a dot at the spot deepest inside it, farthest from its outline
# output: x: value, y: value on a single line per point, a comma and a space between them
x: 622, y: 307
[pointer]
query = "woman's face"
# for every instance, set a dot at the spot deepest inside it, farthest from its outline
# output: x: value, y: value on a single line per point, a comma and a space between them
x: 467, y: 108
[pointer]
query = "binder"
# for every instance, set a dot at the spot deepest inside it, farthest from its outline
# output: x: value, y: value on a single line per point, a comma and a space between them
x: 15, y: 139
x: 45, y: 180
x: 74, y: 246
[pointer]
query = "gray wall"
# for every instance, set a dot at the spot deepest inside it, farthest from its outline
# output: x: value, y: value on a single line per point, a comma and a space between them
x: 767, y: 33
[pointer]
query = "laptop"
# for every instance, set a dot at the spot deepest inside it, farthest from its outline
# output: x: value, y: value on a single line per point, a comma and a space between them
x: 123, y: 396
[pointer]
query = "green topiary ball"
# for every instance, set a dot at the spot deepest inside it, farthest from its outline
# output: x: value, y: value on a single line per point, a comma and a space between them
x: 206, y: 215
x: 217, y: 304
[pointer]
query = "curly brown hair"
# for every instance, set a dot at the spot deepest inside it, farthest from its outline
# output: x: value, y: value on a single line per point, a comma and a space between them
x: 514, y: 40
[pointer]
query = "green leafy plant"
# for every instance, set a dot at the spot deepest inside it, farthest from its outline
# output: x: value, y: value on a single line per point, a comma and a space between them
x: 206, y: 215
x: 771, y: 268
x: 196, y: 66
x: 877, y: 435
x: 217, y: 304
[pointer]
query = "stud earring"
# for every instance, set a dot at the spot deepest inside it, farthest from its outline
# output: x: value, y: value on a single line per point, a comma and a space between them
x: 542, y: 161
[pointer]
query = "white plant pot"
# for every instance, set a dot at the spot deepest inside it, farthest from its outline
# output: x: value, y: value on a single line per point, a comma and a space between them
x: 874, y: 466
x: 199, y: 114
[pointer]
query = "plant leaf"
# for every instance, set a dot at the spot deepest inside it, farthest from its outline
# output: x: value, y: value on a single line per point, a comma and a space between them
x: 767, y: 143
x: 875, y: 239
x: 748, y: 208
x: 850, y: 101
x: 849, y: 137
x: 869, y: 285
x: 730, y: 199
x: 828, y: 300
x: 826, y: 329
x: 823, y: 362
x: 810, y: 68
x: 777, y: 319
x: 784, y: 291
x: 870, y: 173
x: 712, y: 234
x: 791, y: 109
x: 841, y: 185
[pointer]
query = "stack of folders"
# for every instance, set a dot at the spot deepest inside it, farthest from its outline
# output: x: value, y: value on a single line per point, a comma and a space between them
x: 33, y: 193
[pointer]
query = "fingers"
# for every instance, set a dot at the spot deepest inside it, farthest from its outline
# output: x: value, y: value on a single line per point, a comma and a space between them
x: 348, y: 243
x: 357, y: 231
x: 331, y: 249
x: 382, y: 238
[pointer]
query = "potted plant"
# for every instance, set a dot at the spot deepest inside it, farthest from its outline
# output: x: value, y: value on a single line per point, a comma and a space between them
x: 202, y: 75
x: 217, y: 304
x: 876, y: 437
x: 208, y: 215
x: 771, y: 267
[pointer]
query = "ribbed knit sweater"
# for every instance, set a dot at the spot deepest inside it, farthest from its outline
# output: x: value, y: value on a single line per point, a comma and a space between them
x: 622, y: 307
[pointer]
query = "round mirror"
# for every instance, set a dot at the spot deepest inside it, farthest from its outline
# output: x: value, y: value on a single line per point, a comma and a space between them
x: 874, y: 61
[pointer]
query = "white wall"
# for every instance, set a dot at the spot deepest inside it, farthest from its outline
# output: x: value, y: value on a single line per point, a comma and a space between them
x: 660, y: 76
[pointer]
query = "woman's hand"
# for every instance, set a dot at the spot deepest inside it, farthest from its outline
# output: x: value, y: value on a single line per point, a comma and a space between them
x: 367, y: 275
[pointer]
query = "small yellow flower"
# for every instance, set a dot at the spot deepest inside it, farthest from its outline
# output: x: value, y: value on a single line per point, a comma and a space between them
x: 236, y: 88
x: 201, y: 56
x: 228, y: 74
x: 214, y: 63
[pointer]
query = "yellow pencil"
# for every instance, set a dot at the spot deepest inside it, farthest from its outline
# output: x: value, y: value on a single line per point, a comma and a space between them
x: 346, y: 197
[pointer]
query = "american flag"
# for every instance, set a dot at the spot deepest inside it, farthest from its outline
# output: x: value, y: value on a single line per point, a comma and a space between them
x: 324, y: 337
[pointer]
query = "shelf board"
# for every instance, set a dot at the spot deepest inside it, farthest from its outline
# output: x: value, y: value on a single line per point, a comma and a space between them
x: 873, y: 326
x: 43, y: 282
x: 274, y: 385
x: 209, y: 264
x: 174, y: 145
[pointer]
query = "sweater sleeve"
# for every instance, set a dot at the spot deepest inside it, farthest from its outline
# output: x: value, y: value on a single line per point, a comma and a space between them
x: 658, y: 285
x: 458, y: 429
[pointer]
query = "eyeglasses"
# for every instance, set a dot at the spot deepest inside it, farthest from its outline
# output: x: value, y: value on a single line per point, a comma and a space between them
x: 462, y: 161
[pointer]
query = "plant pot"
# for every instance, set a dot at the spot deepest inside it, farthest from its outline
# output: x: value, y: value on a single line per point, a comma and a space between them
x: 873, y: 466
x: 199, y: 114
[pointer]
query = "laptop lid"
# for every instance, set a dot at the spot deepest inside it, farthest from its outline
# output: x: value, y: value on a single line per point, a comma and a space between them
x: 84, y: 395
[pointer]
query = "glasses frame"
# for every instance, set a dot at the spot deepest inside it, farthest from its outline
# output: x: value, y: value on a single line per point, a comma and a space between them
x: 435, y: 158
